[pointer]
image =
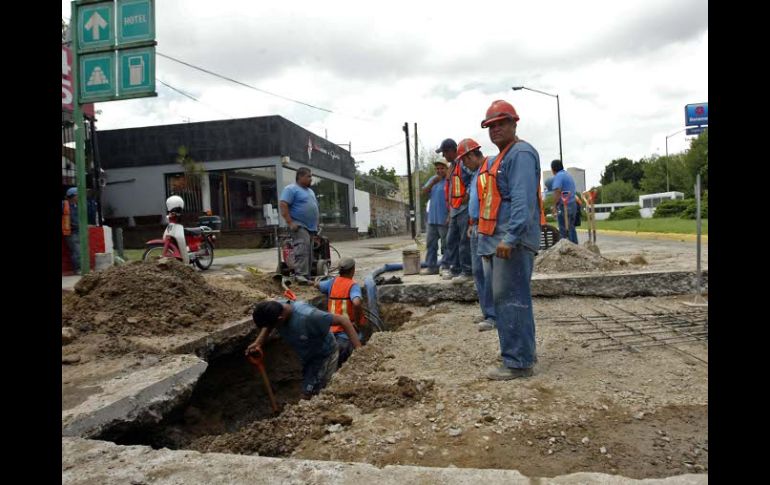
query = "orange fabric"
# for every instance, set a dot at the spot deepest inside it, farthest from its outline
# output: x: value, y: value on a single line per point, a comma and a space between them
x: 456, y: 187
x: 340, y: 303
x: 489, y: 196
x: 66, y: 228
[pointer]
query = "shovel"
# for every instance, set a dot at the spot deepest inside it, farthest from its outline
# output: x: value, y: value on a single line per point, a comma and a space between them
x: 255, y: 358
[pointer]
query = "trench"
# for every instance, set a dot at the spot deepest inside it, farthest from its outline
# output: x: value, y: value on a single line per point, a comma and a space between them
x: 230, y: 396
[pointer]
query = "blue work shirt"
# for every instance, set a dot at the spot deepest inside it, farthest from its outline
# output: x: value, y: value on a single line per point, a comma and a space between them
x: 303, y: 206
x: 564, y: 181
x: 307, y: 331
x: 518, y: 219
x: 473, y: 200
x: 326, y: 288
x: 465, y: 177
x: 437, y: 210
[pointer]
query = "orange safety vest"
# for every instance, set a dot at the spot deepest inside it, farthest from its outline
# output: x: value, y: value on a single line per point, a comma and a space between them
x: 340, y: 303
x: 489, y: 195
x: 456, y: 186
x: 66, y: 228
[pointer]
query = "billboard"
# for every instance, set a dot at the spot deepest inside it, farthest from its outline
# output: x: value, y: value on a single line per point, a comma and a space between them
x: 696, y: 114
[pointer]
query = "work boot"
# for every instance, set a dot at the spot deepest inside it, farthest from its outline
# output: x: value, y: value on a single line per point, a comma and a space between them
x: 447, y: 276
x: 508, y: 373
x: 429, y: 271
x: 479, y: 319
x: 486, y: 325
x: 461, y: 278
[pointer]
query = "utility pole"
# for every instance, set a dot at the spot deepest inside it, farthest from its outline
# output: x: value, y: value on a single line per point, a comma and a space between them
x: 418, y: 206
x: 409, y: 178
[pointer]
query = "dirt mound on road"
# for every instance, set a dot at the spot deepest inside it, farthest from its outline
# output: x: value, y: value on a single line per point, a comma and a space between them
x: 142, y: 299
x: 567, y: 257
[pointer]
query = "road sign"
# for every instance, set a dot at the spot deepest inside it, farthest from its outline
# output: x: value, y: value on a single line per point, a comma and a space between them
x: 96, y: 26
x: 136, y: 71
x: 136, y: 21
x: 97, y: 76
x: 696, y: 114
x: 696, y: 131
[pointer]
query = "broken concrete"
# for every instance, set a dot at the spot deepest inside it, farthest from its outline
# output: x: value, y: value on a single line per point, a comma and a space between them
x: 90, y: 461
x: 141, y: 397
x: 426, y: 290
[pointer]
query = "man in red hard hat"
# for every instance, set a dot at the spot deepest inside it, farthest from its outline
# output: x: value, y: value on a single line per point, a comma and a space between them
x: 509, y: 237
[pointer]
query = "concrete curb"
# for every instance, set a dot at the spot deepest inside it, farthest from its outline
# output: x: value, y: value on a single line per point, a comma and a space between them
x: 89, y: 461
x: 650, y: 235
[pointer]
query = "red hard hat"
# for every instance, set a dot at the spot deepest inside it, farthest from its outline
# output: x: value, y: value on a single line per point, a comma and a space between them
x: 466, y: 146
x: 499, y: 110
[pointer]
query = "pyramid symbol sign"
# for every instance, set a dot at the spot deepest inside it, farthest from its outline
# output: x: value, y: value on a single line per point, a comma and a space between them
x: 97, y: 77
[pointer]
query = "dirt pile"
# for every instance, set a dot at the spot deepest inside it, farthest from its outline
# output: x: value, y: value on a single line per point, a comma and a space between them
x: 567, y: 257
x: 142, y: 299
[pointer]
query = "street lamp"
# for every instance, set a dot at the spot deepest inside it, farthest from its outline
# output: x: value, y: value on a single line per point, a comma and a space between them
x: 558, y: 111
x: 669, y: 136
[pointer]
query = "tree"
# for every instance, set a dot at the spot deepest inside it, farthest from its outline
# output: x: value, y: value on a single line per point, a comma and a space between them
x: 623, y: 169
x: 620, y: 191
x: 696, y: 160
x: 655, y: 169
x: 388, y: 175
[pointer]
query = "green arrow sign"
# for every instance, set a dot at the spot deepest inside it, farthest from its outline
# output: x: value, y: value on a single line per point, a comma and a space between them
x: 96, y: 26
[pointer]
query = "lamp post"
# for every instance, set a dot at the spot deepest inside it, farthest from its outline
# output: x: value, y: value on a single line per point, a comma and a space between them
x: 558, y: 112
x: 669, y: 136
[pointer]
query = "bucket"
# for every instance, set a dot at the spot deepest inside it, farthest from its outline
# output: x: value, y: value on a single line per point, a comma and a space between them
x: 411, y: 261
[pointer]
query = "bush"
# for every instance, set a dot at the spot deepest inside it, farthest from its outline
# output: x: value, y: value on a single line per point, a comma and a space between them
x: 630, y: 212
x: 670, y: 208
x: 689, y: 211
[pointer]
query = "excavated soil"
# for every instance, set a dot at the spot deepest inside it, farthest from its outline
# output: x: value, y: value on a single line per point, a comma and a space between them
x: 567, y: 257
x: 419, y: 396
x: 144, y: 299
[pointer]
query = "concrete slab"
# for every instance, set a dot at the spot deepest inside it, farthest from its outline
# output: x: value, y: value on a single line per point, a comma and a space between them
x: 222, y: 339
x: 144, y: 396
x: 90, y: 461
x: 429, y: 289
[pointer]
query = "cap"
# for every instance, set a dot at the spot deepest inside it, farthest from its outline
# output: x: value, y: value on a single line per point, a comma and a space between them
x: 72, y: 191
x: 441, y: 162
x: 446, y: 145
x: 347, y: 263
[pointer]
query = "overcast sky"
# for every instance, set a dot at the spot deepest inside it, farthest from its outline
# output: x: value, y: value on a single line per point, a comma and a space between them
x: 623, y: 71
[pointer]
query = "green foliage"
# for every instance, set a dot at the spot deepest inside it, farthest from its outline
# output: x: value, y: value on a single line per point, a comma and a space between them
x: 630, y: 212
x: 619, y: 191
x: 623, y: 169
x: 689, y: 211
x: 670, y: 208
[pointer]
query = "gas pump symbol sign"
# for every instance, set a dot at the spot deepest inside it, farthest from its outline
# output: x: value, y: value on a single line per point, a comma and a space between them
x: 136, y: 71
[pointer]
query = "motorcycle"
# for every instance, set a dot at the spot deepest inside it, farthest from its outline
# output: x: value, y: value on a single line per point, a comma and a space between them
x: 189, y: 245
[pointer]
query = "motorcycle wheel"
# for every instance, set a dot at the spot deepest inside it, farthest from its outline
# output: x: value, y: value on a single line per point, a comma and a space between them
x: 154, y: 252
x: 203, y: 261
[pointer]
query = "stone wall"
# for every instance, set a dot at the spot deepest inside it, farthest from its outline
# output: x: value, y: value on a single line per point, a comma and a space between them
x: 389, y: 217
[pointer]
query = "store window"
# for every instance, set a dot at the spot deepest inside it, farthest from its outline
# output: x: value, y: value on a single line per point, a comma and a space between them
x: 332, y: 198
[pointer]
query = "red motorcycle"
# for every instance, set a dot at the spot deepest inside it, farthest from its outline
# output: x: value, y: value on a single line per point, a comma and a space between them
x: 191, y: 246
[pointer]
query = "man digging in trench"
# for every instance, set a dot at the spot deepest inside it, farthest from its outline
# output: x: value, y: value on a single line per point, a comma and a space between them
x: 306, y: 329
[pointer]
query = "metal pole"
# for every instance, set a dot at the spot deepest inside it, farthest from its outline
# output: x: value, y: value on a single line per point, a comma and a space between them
x: 697, y: 217
x: 667, y: 189
x: 409, y: 177
x: 77, y: 114
x: 418, y: 206
x: 558, y: 114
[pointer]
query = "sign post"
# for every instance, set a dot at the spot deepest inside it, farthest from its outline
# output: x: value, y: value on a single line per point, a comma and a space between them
x: 113, y: 58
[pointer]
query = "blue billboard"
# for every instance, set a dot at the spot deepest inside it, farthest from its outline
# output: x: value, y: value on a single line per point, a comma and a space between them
x: 696, y: 114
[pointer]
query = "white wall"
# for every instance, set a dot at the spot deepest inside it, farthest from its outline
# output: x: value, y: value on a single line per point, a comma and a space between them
x: 364, y: 214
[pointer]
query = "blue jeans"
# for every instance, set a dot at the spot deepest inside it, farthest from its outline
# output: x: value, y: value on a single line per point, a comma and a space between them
x: 458, y: 256
x: 73, y: 243
x: 513, y: 306
x: 436, y: 233
x: 571, y: 219
x: 483, y: 288
x: 345, y: 346
x: 318, y: 371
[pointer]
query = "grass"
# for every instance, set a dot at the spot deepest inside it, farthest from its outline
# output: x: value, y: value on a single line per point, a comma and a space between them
x: 136, y: 254
x: 670, y: 225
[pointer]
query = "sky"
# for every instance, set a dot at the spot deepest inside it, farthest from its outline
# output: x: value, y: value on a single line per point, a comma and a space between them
x: 623, y: 71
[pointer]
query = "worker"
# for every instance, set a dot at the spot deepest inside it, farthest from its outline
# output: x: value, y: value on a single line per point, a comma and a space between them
x: 564, y: 184
x: 299, y: 208
x: 437, y: 219
x: 458, y: 254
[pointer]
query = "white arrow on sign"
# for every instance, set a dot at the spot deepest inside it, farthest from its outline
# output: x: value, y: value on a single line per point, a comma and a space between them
x: 95, y: 23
